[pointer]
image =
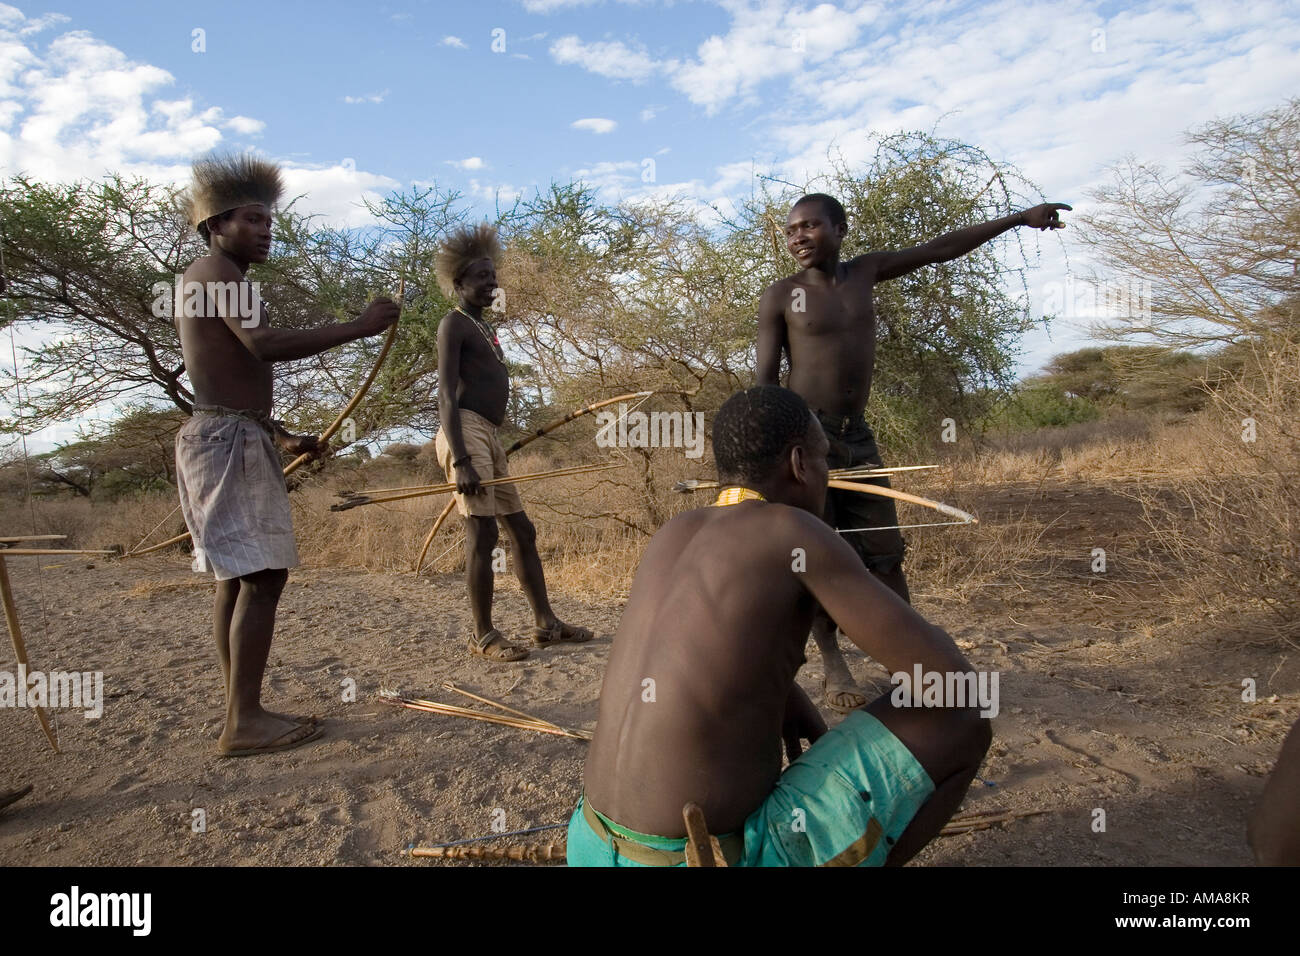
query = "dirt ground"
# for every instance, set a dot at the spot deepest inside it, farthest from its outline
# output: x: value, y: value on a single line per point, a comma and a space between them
x: 1109, y: 701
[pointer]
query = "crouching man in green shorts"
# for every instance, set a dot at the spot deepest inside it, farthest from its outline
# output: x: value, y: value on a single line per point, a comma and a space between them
x: 700, y: 692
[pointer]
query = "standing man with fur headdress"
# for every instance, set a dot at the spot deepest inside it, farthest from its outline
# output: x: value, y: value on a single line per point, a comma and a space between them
x: 473, y: 389
x: 229, y: 474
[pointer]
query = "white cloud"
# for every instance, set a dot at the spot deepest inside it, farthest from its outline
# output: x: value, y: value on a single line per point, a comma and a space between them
x: 244, y: 125
x: 80, y: 109
x: 595, y: 124
x: 499, y: 194
x: 610, y: 58
x: 456, y: 42
x: 550, y: 6
x: 336, y: 192
x: 610, y: 177
x: 366, y: 98
x: 650, y: 112
x: 471, y: 162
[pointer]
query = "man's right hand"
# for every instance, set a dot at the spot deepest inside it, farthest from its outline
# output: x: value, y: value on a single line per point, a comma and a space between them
x: 467, y: 480
x: 379, y: 315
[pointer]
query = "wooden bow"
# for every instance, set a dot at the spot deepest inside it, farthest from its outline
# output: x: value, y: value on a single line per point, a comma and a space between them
x: 419, y: 491
x: 545, y: 429
x: 961, y: 517
x: 11, y: 609
x: 328, y: 433
x: 837, y: 480
x: 324, y: 438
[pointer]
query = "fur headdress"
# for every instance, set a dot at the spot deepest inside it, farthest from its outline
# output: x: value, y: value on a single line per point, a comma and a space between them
x: 462, y: 249
x: 223, y: 183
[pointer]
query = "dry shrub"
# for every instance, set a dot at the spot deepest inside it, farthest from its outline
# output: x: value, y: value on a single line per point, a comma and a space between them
x: 591, y: 528
x: 1230, y: 528
x: 77, y: 518
x: 955, y: 562
x: 1123, y: 448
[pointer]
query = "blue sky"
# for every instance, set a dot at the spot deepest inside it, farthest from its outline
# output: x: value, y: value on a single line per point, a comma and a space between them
x: 360, y: 100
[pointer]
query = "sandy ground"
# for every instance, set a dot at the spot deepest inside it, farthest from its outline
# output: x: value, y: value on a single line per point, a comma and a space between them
x: 1108, y: 702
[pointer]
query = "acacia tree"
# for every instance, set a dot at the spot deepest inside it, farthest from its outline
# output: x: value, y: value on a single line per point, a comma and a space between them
x: 81, y: 260
x: 1217, y: 240
x: 948, y: 334
x: 85, y: 264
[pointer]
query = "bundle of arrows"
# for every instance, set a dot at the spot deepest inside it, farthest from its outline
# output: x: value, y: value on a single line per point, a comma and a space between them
x: 513, y: 718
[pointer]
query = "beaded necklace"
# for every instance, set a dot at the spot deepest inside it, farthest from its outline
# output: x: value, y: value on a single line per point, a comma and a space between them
x: 486, y: 332
x: 734, y: 496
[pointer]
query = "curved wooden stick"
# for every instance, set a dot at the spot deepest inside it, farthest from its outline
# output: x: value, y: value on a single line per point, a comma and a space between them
x: 328, y: 433
x: 700, y: 484
x: 433, y: 533
x: 325, y: 436
x: 450, y: 486
x: 882, y: 492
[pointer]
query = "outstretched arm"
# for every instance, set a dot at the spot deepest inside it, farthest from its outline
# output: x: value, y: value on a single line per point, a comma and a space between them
x: 953, y: 245
x: 283, y: 345
x: 771, y: 336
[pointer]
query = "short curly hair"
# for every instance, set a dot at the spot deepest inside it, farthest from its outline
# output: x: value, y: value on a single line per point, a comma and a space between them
x: 461, y: 249
x: 833, y: 208
x: 754, y: 430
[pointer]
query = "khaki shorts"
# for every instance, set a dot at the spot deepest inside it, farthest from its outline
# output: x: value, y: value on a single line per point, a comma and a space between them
x: 489, y: 459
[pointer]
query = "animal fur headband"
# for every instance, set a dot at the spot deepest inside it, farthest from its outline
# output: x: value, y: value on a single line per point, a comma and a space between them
x: 462, y: 249
x: 224, y: 183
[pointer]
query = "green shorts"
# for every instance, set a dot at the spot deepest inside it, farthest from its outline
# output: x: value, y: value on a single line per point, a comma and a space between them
x: 844, y: 802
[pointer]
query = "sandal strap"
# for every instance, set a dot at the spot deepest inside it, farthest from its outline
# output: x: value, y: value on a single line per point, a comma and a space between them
x: 482, y: 643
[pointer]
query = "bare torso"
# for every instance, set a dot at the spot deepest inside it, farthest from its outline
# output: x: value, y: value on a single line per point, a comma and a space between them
x: 222, y: 371
x: 484, y: 381
x: 830, y: 334
x: 717, y: 620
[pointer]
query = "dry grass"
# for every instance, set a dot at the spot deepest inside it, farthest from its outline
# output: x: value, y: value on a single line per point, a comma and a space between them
x: 1222, y: 515
x: 1228, y: 533
x: 1121, y: 449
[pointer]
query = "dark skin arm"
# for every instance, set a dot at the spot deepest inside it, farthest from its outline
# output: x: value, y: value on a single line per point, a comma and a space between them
x: 269, y: 344
x: 955, y: 244
x: 802, y: 721
x: 451, y: 338
x: 296, y: 445
x: 771, y: 335
x: 871, y: 615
